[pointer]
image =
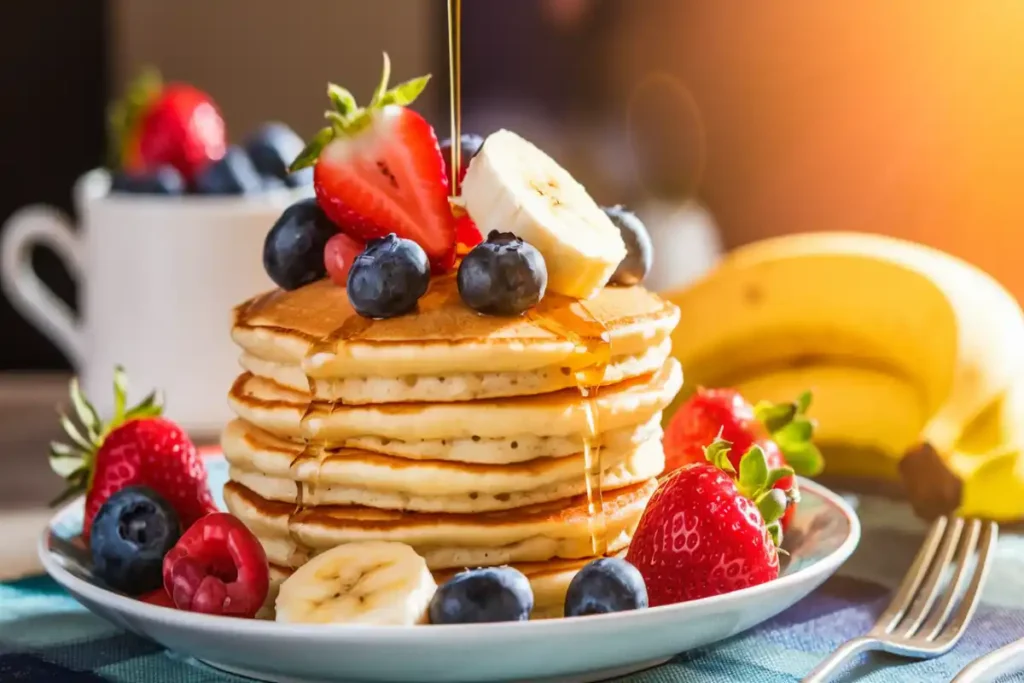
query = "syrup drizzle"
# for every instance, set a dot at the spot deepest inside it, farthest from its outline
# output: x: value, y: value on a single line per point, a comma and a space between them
x: 571, y: 320
x: 455, y: 88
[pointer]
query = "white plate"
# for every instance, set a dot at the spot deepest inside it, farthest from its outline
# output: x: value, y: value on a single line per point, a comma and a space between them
x: 825, y: 532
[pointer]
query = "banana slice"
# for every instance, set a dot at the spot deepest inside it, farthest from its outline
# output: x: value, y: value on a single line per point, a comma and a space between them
x: 375, y: 582
x: 512, y: 186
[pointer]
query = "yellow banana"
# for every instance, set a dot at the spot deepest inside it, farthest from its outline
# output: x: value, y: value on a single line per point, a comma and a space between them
x: 900, y: 344
x: 865, y: 418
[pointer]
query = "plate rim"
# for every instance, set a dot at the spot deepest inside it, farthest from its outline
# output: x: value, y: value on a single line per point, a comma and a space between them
x: 368, y: 633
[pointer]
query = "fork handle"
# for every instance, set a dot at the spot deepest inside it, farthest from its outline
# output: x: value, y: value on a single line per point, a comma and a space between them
x: 848, y: 650
x: 1003, y: 661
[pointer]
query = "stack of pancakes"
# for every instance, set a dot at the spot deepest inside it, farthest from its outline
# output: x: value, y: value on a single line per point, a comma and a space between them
x: 459, y: 434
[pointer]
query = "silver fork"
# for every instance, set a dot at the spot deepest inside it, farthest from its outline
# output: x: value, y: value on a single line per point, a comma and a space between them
x: 912, y: 625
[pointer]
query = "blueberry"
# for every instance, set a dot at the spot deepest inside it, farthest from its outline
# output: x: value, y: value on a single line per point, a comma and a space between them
x: 234, y: 173
x: 293, y: 252
x: 272, y: 148
x: 164, y: 180
x: 639, y: 251
x: 131, y: 533
x: 471, y: 144
x: 388, y: 278
x: 606, y: 585
x: 502, y: 275
x: 483, y: 595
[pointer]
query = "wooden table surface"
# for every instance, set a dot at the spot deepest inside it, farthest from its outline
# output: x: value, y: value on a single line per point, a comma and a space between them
x: 28, y: 422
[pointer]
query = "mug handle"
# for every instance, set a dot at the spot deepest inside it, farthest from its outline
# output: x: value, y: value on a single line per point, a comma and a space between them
x: 42, y: 226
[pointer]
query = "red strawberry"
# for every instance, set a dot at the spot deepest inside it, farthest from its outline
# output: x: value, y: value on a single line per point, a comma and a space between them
x: 378, y: 169
x: 176, y: 124
x: 466, y: 233
x: 707, y: 414
x: 709, y: 530
x: 782, y: 431
x: 135, y: 447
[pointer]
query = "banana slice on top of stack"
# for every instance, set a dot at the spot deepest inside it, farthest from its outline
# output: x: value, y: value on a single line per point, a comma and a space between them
x: 512, y: 186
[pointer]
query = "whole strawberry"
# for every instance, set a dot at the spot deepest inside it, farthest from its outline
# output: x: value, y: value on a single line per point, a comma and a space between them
x: 705, y: 416
x: 379, y: 170
x: 166, y: 125
x: 135, y: 447
x: 709, y: 529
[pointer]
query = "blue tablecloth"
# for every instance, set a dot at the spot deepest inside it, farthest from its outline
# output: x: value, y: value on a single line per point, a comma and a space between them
x: 46, y: 636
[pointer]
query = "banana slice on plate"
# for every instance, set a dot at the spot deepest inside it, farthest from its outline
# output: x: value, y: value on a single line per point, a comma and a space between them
x: 375, y: 582
x: 512, y: 186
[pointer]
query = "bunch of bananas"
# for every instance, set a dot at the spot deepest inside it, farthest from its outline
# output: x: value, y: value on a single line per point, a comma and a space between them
x: 915, y: 360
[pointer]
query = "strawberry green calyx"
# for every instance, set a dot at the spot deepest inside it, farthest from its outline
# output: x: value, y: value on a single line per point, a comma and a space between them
x: 75, y: 461
x: 755, y: 481
x: 123, y: 117
x: 793, y: 431
x: 347, y: 118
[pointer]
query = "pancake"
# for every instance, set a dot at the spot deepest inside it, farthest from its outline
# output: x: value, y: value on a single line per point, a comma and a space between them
x: 497, y: 450
x: 465, y: 386
x: 560, y: 529
x: 316, y: 328
x: 252, y: 450
x: 485, y: 490
x: 548, y: 580
x: 289, y: 413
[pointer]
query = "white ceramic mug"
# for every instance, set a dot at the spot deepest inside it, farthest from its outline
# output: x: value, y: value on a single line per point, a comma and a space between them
x: 157, y: 277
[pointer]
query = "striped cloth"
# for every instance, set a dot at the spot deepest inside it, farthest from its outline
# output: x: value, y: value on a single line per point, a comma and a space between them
x: 46, y: 636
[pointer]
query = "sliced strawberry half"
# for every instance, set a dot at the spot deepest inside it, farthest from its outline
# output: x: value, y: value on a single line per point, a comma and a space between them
x: 378, y: 169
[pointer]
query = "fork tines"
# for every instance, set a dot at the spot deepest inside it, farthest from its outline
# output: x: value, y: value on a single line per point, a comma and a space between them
x: 931, y: 607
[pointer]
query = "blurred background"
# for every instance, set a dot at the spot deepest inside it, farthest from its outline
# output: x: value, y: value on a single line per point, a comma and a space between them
x: 721, y: 122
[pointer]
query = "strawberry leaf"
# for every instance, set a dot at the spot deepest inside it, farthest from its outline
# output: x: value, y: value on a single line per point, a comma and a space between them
x: 405, y: 93
x: 151, y: 406
x: 717, y: 453
x: 72, y: 431
x: 120, y: 393
x: 772, y: 505
x: 778, y: 473
x: 753, y: 471
x: 64, y: 460
x: 347, y: 118
x: 775, y: 532
x: 793, y: 431
x: 382, y: 87
x: 87, y: 415
x: 338, y: 122
x: 805, y: 459
x: 123, y: 116
x: 775, y: 416
x: 344, y: 102
x: 308, y: 156
x: 799, y: 429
